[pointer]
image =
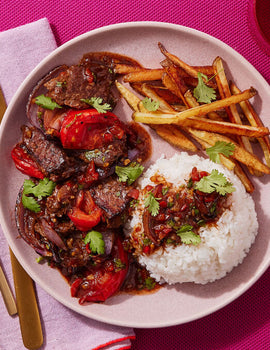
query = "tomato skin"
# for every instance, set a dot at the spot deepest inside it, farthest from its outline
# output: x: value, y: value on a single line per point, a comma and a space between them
x: 25, y: 163
x: 105, y: 281
x: 82, y: 221
x: 89, y: 176
x: 88, y: 129
x: 86, y: 214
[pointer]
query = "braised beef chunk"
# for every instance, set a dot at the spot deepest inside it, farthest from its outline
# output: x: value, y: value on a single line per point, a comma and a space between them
x: 82, y: 82
x: 50, y: 157
x: 106, y: 156
x: 61, y: 199
x: 111, y: 196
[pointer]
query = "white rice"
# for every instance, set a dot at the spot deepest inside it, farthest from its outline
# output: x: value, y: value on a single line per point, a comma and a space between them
x: 223, y: 246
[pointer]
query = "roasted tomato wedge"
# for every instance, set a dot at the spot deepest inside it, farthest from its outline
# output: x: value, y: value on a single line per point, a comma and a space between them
x: 86, y: 214
x: 88, y: 129
x: 25, y: 163
x: 101, y: 283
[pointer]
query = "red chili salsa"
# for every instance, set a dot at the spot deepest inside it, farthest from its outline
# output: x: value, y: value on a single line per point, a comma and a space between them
x: 181, y: 213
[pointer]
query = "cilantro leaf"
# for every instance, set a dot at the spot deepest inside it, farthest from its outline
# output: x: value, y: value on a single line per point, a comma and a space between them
x: 119, y: 265
x: 225, y: 148
x: 187, y: 235
x: 202, y: 92
x: 129, y: 173
x: 96, y: 102
x: 46, y: 102
x: 96, y: 242
x: 44, y: 188
x: 30, y: 203
x: 215, y: 182
x: 152, y: 204
x: 150, y: 283
x: 150, y: 105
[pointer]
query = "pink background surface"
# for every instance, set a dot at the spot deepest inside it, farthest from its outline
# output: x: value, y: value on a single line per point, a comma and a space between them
x: 245, y: 323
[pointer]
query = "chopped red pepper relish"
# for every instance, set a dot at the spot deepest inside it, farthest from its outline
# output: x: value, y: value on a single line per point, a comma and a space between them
x: 180, y: 214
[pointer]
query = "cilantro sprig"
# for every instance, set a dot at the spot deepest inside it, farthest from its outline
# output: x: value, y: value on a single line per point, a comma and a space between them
x: 202, y: 92
x: 220, y: 147
x: 44, y: 188
x: 46, y: 102
x: 187, y: 235
x: 152, y: 204
x: 150, y: 105
x: 129, y: 173
x: 216, y: 181
x: 96, y: 242
x: 97, y: 103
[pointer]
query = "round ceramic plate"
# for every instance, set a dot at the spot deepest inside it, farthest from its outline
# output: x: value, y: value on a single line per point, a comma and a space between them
x: 171, y: 305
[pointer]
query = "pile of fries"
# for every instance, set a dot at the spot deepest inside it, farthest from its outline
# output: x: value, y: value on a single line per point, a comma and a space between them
x: 194, y: 126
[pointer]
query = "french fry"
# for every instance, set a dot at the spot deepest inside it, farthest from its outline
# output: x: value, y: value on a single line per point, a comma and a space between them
x: 244, y: 178
x: 186, y: 67
x: 216, y: 105
x: 175, y: 137
x: 191, y: 100
x: 177, y: 78
x: 230, y: 164
x: 227, y: 162
x: 163, y: 105
x: 239, y: 152
x: 172, y: 86
x: 182, y: 119
x: 254, y: 120
x: 143, y: 75
x: 171, y: 134
x: 129, y: 96
x: 232, y: 112
x: 125, y: 68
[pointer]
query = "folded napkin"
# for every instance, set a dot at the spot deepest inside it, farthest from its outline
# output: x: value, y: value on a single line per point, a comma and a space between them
x: 22, y: 49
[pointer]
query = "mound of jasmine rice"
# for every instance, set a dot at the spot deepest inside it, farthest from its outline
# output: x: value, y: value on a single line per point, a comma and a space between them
x: 223, y: 245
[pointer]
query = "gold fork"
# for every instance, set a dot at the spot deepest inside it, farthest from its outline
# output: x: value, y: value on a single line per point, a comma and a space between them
x: 25, y: 293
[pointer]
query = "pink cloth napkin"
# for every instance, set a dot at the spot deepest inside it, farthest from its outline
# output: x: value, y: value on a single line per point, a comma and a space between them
x: 21, y: 50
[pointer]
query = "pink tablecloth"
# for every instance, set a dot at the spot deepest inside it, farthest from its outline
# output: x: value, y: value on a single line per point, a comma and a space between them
x: 245, y: 323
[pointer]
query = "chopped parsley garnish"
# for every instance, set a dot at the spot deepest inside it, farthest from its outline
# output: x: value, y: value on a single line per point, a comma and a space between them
x: 44, y: 188
x: 149, y: 104
x: 202, y: 92
x: 185, y: 232
x: 220, y: 147
x: 215, y: 182
x: 46, y: 102
x: 97, y: 103
x: 129, y: 173
x: 152, y: 204
x: 96, y: 242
